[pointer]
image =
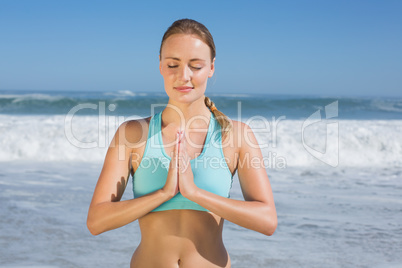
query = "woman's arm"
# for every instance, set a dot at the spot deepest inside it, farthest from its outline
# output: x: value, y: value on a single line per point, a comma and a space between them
x: 106, y: 211
x: 258, y: 211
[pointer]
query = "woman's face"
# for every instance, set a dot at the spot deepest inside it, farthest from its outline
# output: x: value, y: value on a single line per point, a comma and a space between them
x: 185, y: 64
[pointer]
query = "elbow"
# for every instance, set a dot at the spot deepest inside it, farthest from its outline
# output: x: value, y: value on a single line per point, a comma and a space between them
x: 92, y: 227
x: 269, y: 224
x: 270, y: 227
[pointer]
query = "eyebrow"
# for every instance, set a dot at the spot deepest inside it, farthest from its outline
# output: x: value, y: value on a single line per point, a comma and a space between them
x: 174, y: 58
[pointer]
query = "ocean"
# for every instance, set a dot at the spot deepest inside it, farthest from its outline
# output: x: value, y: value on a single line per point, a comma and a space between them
x: 334, y: 163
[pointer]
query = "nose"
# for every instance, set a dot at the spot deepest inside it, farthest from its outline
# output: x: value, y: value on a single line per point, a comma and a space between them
x: 185, y: 74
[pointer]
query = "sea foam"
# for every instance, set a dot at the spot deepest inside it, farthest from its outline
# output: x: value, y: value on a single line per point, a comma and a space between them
x: 284, y: 143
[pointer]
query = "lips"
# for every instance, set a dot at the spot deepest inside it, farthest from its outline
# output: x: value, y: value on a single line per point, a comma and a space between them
x: 183, y: 88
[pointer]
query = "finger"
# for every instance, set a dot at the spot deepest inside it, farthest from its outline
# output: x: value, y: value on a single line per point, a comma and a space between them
x: 177, y: 149
x: 182, y: 142
x: 181, y: 134
x: 175, y: 153
x: 182, y: 147
x: 184, y: 158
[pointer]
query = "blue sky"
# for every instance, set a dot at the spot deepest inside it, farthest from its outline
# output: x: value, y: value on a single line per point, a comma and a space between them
x: 277, y: 47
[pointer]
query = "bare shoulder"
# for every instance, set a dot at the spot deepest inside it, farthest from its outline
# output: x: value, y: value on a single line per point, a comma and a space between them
x: 239, y: 126
x: 240, y: 133
x: 133, y: 131
x: 239, y: 144
x: 235, y: 139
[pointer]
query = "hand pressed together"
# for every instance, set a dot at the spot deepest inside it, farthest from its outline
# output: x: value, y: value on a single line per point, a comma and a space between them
x: 180, y: 176
x: 187, y: 186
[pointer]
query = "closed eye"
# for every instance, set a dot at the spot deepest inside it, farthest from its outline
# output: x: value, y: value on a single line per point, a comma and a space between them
x: 192, y: 67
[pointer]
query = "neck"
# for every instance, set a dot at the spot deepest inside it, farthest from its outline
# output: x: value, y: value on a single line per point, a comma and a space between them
x: 184, y: 116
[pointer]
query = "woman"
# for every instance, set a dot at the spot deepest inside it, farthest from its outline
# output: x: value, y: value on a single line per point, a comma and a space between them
x: 182, y: 161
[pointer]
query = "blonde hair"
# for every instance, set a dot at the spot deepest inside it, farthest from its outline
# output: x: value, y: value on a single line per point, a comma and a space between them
x: 188, y: 26
x: 222, y: 119
x: 192, y: 27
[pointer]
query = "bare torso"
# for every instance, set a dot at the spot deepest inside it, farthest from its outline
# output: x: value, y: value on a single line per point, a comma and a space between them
x: 181, y: 238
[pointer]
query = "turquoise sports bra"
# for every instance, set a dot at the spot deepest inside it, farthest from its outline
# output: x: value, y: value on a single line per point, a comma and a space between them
x: 210, y: 169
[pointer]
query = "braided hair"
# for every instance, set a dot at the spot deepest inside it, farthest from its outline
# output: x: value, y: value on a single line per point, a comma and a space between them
x: 222, y: 119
